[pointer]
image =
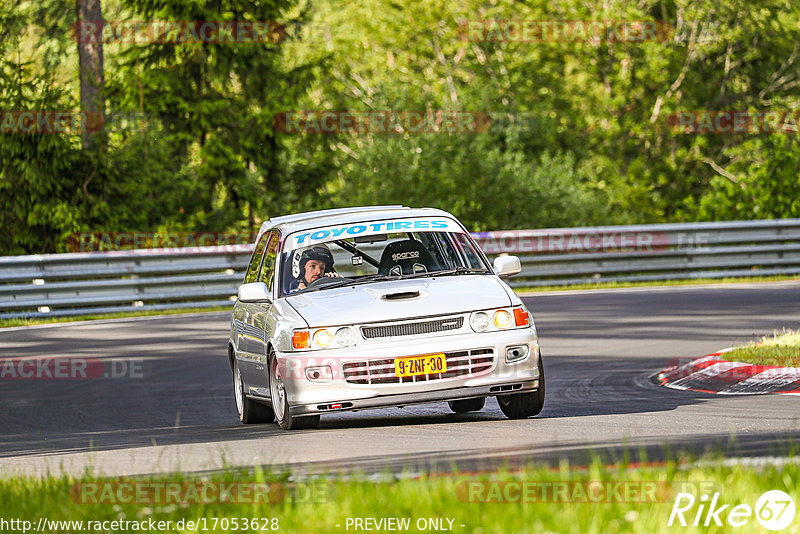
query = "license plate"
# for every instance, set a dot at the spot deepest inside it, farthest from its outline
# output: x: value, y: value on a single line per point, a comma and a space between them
x: 420, y: 365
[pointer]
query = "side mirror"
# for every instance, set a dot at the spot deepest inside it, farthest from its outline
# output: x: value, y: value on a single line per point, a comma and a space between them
x: 254, y: 292
x: 507, y: 266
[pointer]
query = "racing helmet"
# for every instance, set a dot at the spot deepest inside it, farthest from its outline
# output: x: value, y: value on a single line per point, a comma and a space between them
x: 317, y: 252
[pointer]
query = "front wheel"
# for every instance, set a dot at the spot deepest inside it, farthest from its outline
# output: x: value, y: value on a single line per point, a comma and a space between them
x: 280, y: 402
x: 250, y: 411
x: 524, y: 405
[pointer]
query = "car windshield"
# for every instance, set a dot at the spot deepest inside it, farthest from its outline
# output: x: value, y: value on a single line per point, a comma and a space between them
x: 333, y: 257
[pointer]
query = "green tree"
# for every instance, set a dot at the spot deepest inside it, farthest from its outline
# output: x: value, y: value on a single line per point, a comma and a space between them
x: 216, y: 102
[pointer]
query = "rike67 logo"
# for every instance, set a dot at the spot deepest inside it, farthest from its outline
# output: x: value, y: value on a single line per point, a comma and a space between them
x: 774, y: 510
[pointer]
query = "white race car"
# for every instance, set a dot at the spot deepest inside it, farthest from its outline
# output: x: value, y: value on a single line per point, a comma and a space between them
x: 357, y: 308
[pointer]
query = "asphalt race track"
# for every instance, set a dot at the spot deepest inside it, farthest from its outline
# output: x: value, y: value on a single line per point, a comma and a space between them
x: 177, y: 411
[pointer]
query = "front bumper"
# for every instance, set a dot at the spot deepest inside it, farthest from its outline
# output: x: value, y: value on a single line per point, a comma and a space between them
x: 385, y: 401
x: 307, y: 397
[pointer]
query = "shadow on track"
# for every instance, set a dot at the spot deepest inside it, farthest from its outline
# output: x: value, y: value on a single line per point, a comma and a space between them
x: 59, y: 417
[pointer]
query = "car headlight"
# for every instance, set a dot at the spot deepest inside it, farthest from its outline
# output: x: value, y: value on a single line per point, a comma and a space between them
x: 479, y: 322
x: 346, y: 337
x: 500, y: 319
x: 322, y: 338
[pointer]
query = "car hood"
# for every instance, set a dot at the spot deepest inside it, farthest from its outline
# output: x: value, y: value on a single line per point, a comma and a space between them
x: 368, y: 303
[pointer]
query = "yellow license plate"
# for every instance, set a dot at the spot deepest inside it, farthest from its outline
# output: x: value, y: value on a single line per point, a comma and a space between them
x: 420, y: 365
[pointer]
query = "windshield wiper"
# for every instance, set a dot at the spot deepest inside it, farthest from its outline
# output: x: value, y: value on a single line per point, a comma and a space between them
x: 466, y: 270
x: 353, y: 281
x: 381, y: 277
x: 446, y: 272
x: 367, y: 278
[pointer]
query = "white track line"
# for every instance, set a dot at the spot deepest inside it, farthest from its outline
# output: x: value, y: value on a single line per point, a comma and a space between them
x: 110, y: 321
x: 686, y: 287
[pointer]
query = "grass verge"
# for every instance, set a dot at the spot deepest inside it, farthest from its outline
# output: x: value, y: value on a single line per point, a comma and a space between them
x: 598, y: 499
x: 4, y: 323
x: 782, y: 349
x: 618, y: 285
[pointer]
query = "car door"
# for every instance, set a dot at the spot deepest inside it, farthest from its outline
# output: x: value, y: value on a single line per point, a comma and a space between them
x: 262, y: 317
x: 249, y: 339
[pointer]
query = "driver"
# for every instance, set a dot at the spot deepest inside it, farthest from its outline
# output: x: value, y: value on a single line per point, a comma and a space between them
x: 315, y: 262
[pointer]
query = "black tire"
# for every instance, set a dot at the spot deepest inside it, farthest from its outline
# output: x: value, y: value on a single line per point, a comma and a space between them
x: 524, y: 405
x: 467, y: 405
x: 250, y: 411
x: 280, y: 402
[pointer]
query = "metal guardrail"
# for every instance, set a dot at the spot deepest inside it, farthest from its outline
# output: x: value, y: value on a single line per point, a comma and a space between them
x: 657, y: 252
x: 157, y: 279
x: 102, y: 282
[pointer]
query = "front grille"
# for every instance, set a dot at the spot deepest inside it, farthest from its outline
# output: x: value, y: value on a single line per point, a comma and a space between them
x: 409, y: 329
x: 459, y: 364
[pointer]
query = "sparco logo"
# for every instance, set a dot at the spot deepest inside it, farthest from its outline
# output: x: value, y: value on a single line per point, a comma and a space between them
x: 405, y: 255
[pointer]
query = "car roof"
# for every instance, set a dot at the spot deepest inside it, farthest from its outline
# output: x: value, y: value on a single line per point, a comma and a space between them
x: 287, y: 224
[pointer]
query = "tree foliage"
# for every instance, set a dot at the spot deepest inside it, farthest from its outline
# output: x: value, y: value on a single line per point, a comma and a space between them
x: 579, y: 134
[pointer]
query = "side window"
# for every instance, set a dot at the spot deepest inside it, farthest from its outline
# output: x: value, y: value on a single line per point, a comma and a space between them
x: 467, y: 251
x: 268, y: 265
x: 255, y: 261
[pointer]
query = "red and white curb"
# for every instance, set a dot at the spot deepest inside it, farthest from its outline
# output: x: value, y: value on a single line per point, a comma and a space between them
x: 713, y: 374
